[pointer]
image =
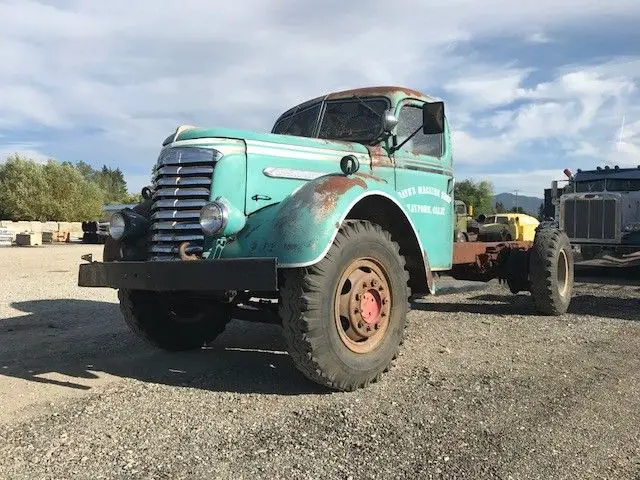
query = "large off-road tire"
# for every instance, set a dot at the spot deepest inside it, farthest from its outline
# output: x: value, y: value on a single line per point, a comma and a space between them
x: 551, y: 271
x: 344, y: 318
x: 171, y: 321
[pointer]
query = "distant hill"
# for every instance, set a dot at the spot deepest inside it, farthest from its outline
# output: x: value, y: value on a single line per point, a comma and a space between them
x: 531, y: 205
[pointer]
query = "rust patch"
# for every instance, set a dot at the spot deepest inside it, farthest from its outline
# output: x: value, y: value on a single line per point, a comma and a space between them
x: 371, y: 177
x: 483, y: 261
x: 427, y: 268
x: 327, y: 193
x: 377, y: 91
x: 338, y: 184
x: 379, y: 157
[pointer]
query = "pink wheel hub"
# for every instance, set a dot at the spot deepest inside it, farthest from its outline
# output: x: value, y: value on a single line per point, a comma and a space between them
x: 363, y: 306
x: 370, y: 306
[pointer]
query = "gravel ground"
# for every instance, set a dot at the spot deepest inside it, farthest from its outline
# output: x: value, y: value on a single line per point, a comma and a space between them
x: 484, y: 388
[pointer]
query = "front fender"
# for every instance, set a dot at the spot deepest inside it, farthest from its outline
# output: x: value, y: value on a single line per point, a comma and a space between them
x: 300, y: 230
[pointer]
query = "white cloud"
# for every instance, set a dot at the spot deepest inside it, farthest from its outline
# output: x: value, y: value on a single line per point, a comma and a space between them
x: 528, y: 182
x: 495, y: 87
x: 538, y: 37
x: 580, y: 109
x: 72, y: 64
x: 30, y: 151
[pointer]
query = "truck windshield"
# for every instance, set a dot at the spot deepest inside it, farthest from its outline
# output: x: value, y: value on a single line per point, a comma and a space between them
x: 352, y: 119
x: 589, y: 186
x: 358, y: 120
x: 621, y: 185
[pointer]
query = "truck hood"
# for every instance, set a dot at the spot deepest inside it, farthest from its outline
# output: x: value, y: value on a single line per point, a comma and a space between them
x: 196, y: 133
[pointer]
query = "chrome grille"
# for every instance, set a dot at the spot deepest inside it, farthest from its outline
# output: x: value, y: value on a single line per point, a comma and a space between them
x: 590, y: 218
x: 183, y: 186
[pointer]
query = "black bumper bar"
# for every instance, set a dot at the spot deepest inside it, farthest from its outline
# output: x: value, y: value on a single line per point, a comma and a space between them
x: 256, y: 274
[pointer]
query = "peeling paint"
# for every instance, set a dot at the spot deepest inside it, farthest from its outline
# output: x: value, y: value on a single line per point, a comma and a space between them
x: 328, y: 192
x: 371, y: 177
x: 379, y: 156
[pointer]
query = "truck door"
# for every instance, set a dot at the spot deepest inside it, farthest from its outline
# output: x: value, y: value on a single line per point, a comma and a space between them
x: 424, y: 182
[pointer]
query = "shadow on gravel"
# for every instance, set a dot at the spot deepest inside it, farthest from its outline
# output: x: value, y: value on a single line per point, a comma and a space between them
x: 606, y: 307
x: 608, y: 275
x: 80, y: 339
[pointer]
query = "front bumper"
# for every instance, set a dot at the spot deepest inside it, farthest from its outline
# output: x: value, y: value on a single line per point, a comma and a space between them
x: 255, y: 274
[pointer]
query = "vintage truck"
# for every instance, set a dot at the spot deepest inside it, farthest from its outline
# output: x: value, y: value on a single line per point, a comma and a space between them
x: 599, y: 210
x: 328, y: 226
x: 464, y: 215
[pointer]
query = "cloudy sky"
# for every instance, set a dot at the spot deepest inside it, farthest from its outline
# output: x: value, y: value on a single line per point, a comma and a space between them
x: 531, y: 88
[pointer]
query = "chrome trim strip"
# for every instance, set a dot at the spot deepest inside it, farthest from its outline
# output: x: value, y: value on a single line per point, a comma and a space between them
x: 182, y: 192
x: 175, y: 203
x: 165, y: 237
x: 176, y: 214
x: 170, y: 181
x: 179, y: 170
x: 291, y: 173
x: 175, y: 226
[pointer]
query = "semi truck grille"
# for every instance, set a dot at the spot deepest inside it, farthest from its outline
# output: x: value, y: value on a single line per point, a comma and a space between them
x: 183, y: 187
x: 590, y: 218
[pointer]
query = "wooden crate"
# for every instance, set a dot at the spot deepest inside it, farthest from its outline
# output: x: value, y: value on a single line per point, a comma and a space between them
x: 29, y: 239
x: 61, y: 236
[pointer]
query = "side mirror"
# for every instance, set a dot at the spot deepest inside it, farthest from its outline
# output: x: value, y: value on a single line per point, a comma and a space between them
x: 389, y: 121
x: 433, y: 118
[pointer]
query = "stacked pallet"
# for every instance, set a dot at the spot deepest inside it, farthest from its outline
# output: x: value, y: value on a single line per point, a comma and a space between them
x: 5, y: 237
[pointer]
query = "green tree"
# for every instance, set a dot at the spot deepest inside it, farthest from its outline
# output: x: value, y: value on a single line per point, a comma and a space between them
x: 517, y: 210
x: 479, y: 195
x: 499, y: 208
x: 53, y: 191
x: 23, y: 188
x: 541, y: 212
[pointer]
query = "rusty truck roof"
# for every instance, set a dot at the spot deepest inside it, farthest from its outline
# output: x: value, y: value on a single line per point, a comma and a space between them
x: 394, y: 92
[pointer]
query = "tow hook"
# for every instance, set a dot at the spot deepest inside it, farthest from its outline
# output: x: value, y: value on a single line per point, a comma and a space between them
x: 182, y: 250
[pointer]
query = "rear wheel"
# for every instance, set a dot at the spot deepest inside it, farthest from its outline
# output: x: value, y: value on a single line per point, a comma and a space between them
x: 551, y: 271
x: 173, y: 321
x: 344, y: 317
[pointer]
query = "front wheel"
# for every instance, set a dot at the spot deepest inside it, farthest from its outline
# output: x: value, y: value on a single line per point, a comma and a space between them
x: 171, y: 321
x: 344, y: 317
x: 551, y: 271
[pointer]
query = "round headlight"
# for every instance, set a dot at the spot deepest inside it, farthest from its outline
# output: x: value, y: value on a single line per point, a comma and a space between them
x: 117, y: 226
x: 213, y: 218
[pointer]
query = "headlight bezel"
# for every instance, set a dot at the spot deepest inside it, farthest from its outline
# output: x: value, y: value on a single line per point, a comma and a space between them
x: 223, y: 213
x: 121, y: 228
x: 133, y: 226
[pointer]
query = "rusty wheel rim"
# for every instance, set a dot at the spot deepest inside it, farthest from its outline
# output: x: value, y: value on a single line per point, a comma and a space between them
x: 362, y: 306
x: 563, y: 273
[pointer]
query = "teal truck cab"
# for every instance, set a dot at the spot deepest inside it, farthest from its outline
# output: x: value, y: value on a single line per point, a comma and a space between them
x: 327, y: 225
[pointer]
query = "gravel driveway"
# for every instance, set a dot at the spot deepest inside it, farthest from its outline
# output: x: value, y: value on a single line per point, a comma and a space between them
x: 484, y: 389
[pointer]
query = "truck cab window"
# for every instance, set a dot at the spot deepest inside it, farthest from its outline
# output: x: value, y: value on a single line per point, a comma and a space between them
x: 409, y: 120
x: 300, y: 123
x: 358, y: 120
x: 589, y: 186
x: 622, y: 185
